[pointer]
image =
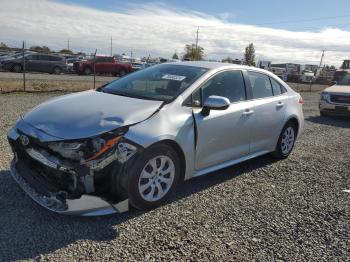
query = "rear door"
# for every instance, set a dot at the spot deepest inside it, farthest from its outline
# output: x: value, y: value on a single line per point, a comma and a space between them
x: 222, y: 135
x: 269, y: 106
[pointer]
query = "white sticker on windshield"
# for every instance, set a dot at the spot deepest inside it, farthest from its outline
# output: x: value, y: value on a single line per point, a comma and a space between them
x: 173, y: 77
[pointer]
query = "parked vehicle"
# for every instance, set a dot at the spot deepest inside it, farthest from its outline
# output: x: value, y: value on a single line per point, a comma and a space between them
x: 307, y: 77
x: 335, y: 100
x: 138, y: 66
x: 36, y: 63
x: 70, y: 64
x: 103, y: 65
x: 132, y: 140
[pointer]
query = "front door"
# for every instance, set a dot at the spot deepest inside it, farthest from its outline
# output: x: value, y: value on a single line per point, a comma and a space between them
x: 223, y: 135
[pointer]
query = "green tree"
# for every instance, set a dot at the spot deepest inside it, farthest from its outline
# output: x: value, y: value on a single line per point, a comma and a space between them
x: 81, y: 54
x: 227, y: 60
x: 40, y: 49
x: 66, y: 51
x: 194, y: 53
x: 175, y: 56
x: 3, y: 45
x: 249, y: 55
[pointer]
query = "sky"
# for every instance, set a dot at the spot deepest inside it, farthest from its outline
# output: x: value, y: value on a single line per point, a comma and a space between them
x: 282, y: 31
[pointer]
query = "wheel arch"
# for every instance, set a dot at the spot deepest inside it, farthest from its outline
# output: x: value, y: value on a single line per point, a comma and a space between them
x: 173, y: 144
x: 295, y: 121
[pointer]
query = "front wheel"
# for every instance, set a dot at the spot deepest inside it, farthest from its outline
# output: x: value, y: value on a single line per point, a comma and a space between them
x: 57, y: 70
x: 153, y: 177
x: 286, y: 141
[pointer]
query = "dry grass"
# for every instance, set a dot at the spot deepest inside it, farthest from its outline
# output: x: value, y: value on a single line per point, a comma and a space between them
x: 13, y: 85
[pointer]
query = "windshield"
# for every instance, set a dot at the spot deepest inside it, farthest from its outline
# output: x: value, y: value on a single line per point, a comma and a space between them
x: 344, y: 81
x: 161, y: 82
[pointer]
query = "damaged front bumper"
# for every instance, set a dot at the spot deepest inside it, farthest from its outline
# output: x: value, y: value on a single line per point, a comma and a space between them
x: 40, y: 175
x: 86, y: 205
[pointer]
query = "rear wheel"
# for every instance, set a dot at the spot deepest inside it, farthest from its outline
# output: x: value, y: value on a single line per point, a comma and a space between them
x: 17, y: 68
x: 286, y: 141
x: 153, y: 177
x: 87, y: 71
x: 122, y: 73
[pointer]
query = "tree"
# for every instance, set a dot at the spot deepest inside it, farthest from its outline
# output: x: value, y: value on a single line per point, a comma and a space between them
x: 249, y: 55
x: 227, y: 60
x: 66, y: 51
x: 81, y: 54
x: 3, y: 45
x: 193, y: 53
x: 40, y: 49
x: 175, y: 56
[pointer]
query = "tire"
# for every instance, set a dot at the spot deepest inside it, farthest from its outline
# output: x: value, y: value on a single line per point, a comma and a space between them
x: 286, y: 141
x: 323, y: 114
x: 147, y: 176
x: 87, y: 71
x: 17, y: 68
x: 57, y: 70
x: 122, y: 73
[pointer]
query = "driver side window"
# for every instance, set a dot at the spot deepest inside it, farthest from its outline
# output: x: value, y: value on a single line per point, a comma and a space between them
x: 229, y: 84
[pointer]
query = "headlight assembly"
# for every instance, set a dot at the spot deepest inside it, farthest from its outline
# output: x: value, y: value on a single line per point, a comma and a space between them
x: 324, y: 96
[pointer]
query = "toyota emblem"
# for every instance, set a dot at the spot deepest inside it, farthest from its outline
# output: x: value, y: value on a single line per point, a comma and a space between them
x: 24, y: 140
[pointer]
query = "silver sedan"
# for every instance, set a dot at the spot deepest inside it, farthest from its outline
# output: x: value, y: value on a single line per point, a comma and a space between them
x: 131, y: 141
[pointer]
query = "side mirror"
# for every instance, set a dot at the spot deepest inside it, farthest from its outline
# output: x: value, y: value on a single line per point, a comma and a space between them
x: 215, y: 103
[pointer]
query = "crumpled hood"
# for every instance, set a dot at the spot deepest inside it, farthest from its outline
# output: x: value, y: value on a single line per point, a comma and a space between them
x: 89, y: 113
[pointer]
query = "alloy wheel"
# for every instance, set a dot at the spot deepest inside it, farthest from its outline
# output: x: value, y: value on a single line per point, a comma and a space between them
x: 156, y: 178
x: 287, y: 141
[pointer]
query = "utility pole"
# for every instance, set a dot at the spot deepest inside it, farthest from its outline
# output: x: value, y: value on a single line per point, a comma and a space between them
x: 111, y: 46
x: 319, y: 67
x: 68, y: 45
x: 321, y: 58
x: 197, y: 43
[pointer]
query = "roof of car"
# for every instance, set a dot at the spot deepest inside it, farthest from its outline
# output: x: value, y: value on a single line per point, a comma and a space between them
x: 209, y: 65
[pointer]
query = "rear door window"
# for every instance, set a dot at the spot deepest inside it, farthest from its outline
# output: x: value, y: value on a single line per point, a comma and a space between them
x: 276, y: 87
x: 261, y: 85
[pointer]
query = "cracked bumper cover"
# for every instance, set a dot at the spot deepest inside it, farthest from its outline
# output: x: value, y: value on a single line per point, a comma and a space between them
x: 85, y: 205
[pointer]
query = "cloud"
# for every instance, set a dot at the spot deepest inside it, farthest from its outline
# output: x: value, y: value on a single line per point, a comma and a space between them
x: 158, y: 30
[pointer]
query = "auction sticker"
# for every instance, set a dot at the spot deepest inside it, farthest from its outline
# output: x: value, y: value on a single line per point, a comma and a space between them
x: 173, y: 77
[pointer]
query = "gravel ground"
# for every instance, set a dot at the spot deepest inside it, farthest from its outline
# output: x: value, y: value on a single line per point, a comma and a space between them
x: 51, y: 77
x: 262, y: 209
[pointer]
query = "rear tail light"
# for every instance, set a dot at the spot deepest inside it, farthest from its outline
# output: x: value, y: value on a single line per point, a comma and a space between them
x: 301, y: 101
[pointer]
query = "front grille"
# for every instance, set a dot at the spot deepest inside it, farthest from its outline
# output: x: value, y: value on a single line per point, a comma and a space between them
x: 41, y: 178
x: 341, y: 99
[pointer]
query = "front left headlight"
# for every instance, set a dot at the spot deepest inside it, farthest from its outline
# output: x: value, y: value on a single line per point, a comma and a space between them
x: 324, y: 96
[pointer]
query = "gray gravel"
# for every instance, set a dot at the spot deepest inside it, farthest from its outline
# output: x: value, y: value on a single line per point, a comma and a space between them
x: 293, y: 209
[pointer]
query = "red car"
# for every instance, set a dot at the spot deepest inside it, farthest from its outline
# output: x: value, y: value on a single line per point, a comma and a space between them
x: 103, y: 65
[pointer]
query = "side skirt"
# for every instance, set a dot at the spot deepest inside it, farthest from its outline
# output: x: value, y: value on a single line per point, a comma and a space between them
x: 229, y: 163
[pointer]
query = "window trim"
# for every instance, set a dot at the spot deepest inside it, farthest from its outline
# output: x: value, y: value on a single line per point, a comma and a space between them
x: 189, y: 98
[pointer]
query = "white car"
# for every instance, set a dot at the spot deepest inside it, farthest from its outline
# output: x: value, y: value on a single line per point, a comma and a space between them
x: 335, y: 100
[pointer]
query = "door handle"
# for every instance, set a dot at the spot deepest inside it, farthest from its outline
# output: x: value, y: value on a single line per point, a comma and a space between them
x: 248, y: 112
x: 280, y: 104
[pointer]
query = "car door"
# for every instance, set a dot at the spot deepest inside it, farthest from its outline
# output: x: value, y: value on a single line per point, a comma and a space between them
x: 222, y: 135
x: 33, y: 63
x: 269, y: 107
